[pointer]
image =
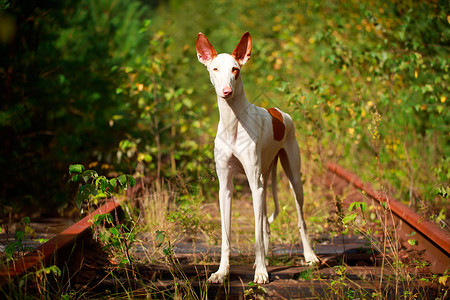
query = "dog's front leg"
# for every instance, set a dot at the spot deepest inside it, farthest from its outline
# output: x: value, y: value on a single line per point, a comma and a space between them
x: 261, y: 275
x: 256, y: 182
x: 225, y: 195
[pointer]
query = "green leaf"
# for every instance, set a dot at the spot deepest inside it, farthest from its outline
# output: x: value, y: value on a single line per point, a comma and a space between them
x: 101, y: 195
x: 30, y: 231
x: 109, y: 218
x: 160, y: 236
x: 114, y: 231
x: 360, y: 205
x: 112, y: 184
x: 26, y: 220
x: 51, y: 270
x: 98, y: 219
x: 76, y: 169
x: 126, y: 180
x: 19, y: 236
x: 443, y: 280
x: 412, y: 242
x: 88, y: 174
x: 84, y: 194
x: 349, y: 218
x: 11, y: 248
x: 101, y: 183
x: 75, y: 178
x: 131, y: 180
x: 122, y: 180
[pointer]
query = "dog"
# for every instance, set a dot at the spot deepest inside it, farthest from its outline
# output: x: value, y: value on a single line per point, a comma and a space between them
x: 250, y: 140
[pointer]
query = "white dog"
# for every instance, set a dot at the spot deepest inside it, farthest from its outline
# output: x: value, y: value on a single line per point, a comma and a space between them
x: 249, y: 140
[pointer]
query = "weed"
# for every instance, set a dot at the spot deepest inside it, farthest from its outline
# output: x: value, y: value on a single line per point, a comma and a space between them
x: 96, y: 187
x: 183, y: 286
x: 305, y: 275
x: 116, y: 238
x: 17, y: 246
x: 192, y: 220
x: 339, y: 286
x: 255, y: 291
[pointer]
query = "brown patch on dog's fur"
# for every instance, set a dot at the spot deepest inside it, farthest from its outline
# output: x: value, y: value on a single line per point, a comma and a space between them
x: 277, y: 124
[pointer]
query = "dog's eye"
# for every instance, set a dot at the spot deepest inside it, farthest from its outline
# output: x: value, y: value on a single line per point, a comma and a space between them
x: 215, y: 69
x: 235, y: 72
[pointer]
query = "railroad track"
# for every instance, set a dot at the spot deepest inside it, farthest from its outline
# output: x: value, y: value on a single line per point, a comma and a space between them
x: 351, y: 267
x: 430, y: 239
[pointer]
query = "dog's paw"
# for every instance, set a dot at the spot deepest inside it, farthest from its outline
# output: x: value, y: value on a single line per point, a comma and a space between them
x: 261, y: 275
x: 311, y: 259
x: 217, y: 277
x: 261, y: 278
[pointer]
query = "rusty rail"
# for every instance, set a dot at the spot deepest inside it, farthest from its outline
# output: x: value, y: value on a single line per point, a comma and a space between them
x: 64, y: 248
x: 435, y: 240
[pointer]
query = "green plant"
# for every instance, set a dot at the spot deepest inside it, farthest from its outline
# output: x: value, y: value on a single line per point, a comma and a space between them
x: 339, y: 285
x: 115, y: 237
x: 306, y: 274
x: 255, y: 291
x: 192, y: 220
x: 17, y: 246
x: 43, y: 282
x: 183, y: 287
x: 96, y: 187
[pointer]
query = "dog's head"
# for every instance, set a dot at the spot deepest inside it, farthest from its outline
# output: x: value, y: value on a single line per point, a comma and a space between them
x: 224, y: 69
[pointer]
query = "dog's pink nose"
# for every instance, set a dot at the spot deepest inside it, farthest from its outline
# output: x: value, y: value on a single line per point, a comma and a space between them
x: 227, y: 91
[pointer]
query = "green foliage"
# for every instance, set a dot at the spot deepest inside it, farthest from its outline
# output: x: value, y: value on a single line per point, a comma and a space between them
x: 17, y: 246
x: 168, y: 248
x: 254, y: 291
x: 191, y: 219
x: 361, y: 91
x: 96, y: 187
x: 361, y: 205
x: 306, y: 274
x: 49, y: 270
x: 115, y: 238
x: 168, y: 122
x: 57, y: 74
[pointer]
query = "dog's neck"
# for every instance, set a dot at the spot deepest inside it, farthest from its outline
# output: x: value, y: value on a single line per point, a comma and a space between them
x: 234, y: 109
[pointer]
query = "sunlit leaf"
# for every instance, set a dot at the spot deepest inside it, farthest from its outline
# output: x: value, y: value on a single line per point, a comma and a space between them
x: 349, y: 218
x: 76, y: 169
x: 122, y: 180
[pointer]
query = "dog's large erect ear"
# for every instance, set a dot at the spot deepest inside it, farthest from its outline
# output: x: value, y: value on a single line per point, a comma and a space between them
x: 243, y: 50
x: 205, y: 51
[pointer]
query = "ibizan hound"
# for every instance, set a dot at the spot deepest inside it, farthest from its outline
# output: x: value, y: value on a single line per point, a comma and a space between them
x: 249, y: 140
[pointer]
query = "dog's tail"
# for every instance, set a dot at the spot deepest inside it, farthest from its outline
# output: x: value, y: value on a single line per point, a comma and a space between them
x: 274, y: 190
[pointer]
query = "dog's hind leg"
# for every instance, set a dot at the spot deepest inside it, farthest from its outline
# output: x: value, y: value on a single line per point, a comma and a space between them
x: 273, y: 173
x: 290, y: 160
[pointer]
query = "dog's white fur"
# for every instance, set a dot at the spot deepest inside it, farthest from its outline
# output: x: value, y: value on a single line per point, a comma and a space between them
x: 246, y: 143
